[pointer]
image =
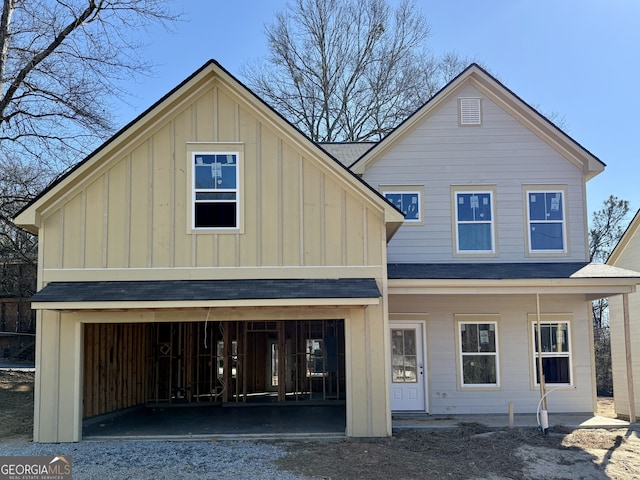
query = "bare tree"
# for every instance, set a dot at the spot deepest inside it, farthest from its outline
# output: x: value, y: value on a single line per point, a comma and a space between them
x: 60, y: 64
x: 348, y: 70
x: 607, y: 227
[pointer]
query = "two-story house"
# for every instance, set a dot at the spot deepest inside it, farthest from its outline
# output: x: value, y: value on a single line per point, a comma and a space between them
x: 211, y: 254
x: 494, y: 247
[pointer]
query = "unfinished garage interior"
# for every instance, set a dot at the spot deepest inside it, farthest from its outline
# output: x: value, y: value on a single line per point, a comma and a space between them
x: 212, y: 363
x: 169, y: 366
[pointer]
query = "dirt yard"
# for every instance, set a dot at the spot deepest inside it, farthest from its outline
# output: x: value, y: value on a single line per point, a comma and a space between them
x: 470, y: 451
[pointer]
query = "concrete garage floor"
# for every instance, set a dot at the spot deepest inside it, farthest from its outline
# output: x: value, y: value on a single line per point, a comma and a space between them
x: 215, y: 421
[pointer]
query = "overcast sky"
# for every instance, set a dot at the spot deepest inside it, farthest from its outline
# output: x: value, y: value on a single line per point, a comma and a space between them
x: 579, y: 59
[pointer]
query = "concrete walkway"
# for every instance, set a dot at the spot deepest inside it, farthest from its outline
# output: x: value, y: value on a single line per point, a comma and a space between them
x: 408, y: 421
x: 296, y: 422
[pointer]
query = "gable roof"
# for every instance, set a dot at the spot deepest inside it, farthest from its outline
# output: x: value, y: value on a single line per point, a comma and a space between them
x: 494, y: 90
x: 632, y: 229
x: 28, y: 216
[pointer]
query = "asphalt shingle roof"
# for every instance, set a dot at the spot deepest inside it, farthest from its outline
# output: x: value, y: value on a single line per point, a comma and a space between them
x: 484, y: 271
x: 176, y: 290
x: 347, y: 152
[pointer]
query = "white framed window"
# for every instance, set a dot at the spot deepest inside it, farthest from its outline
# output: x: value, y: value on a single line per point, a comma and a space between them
x: 408, y: 202
x: 474, y: 221
x: 479, y: 364
x: 215, y: 190
x: 546, y: 222
x: 555, y: 349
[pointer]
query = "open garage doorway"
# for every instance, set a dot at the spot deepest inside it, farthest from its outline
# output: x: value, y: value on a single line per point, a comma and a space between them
x: 247, y: 362
x: 135, y: 374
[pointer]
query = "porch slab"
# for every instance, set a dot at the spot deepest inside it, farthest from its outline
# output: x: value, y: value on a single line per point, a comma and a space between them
x: 412, y: 421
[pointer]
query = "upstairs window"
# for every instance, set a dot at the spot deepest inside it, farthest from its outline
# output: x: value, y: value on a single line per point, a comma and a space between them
x: 474, y: 222
x: 408, y: 203
x: 215, y: 190
x: 546, y: 219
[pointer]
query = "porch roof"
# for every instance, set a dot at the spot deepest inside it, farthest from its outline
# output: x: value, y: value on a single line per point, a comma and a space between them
x: 185, y: 293
x: 505, y: 271
x: 592, y: 279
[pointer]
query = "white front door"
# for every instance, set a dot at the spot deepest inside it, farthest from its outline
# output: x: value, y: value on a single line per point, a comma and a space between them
x: 407, y: 367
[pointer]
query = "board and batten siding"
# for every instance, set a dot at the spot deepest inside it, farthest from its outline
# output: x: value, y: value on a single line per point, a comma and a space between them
x: 515, y: 352
x: 133, y: 211
x: 124, y: 214
x: 501, y: 154
x: 629, y: 258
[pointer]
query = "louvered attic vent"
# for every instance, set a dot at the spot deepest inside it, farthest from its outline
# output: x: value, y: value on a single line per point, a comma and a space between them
x: 470, y: 111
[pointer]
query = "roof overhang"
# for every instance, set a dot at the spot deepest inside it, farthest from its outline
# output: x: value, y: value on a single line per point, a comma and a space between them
x: 624, y: 241
x: 592, y: 280
x: 172, y: 294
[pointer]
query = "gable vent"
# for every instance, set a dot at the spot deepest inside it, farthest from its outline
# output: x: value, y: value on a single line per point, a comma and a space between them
x: 470, y: 111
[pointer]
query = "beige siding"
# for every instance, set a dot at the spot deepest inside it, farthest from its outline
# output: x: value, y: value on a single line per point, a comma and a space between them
x: 128, y: 217
x: 52, y: 255
x: 502, y: 153
x: 58, y: 384
x: 134, y: 210
x: 140, y: 206
x: 73, y: 237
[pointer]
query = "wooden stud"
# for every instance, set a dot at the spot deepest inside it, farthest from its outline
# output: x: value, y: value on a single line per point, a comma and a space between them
x: 282, y: 362
x: 226, y: 362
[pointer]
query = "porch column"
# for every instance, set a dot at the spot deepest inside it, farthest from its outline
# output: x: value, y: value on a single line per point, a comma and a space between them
x: 366, y: 363
x: 627, y: 348
x: 58, y: 385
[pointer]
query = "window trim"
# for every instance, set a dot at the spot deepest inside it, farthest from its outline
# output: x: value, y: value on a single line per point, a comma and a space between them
x: 477, y: 189
x: 214, y: 148
x: 404, y: 189
x: 528, y: 189
x: 466, y: 319
x: 550, y: 319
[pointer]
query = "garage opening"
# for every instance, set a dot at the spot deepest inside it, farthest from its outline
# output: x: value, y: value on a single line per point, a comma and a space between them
x: 247, y: 362
x: 261, y: 364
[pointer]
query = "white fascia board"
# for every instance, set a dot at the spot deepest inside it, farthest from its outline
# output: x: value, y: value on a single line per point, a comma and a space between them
x: 254, y: 303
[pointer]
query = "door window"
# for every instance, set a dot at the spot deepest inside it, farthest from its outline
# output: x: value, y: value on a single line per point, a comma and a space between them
x: 404, y: 355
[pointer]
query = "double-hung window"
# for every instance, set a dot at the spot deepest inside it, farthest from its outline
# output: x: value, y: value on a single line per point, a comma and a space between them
x: 478, y: 349
x: 555, y: 350
x: 546, y: 221
x: 408, y: 202
x: 474, y: 222
x: 215, y: 190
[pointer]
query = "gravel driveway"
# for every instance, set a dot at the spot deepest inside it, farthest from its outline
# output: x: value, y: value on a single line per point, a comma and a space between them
x: 161, y: 460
